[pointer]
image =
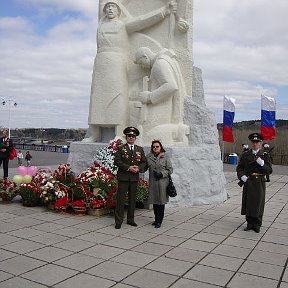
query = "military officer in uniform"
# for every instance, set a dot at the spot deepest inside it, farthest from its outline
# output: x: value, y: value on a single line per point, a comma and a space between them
x: 254, y: 164
x: 131, y: 161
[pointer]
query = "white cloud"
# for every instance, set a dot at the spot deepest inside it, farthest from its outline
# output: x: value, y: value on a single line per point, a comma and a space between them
x: 241, y: 47
x: 48, y: 76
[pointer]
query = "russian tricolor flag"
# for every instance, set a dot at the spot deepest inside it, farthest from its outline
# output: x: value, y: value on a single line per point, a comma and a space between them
x: 228, y: 118
x: 268, y: 117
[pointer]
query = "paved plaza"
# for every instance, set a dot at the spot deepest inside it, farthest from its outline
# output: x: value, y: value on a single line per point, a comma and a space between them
x: 198, y: 247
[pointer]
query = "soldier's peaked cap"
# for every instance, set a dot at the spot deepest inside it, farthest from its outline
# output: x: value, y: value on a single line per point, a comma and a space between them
x: 256, y: 137
x: 131, y: 130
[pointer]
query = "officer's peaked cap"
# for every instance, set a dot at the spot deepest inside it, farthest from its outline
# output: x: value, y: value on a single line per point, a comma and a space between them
x: 256, y: 137
x: 131, y: 130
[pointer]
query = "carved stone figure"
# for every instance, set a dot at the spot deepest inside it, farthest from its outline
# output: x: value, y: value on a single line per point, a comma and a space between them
x: 109, y: 99
x: 162, y: 95
x: 163, y: 103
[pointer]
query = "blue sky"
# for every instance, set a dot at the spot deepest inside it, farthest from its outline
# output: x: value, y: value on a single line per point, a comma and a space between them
x: 48, y: 49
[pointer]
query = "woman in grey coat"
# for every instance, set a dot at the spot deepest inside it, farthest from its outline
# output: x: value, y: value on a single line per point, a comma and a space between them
x: 160, y: 167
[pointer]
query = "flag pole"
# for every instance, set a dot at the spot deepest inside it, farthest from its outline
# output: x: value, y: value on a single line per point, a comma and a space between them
x: 223, y: 150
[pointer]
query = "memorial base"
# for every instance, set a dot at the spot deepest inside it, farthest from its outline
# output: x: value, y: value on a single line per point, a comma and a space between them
x: 197, y: 171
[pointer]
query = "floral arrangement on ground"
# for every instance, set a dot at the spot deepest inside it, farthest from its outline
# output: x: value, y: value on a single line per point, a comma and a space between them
x: 62, y: 190
x: 8, y: 190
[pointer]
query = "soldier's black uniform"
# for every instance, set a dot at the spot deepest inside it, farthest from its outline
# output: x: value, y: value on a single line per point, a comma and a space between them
x: 253, y: 198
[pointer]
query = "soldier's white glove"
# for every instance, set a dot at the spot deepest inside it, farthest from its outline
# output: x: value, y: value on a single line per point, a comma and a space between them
x: 260, y: 161
x: 244, y: 178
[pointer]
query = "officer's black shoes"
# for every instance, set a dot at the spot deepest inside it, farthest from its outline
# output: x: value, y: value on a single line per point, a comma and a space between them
x: 153, y: 223
x: 248, y: 227
x: 157, y: 225
x: 256, y: 229
x: 252, y: 227
x: 117, y: 226
x: 132, y: 224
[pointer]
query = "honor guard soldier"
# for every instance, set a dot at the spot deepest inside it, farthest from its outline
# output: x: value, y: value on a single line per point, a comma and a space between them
x: 251, y: 171
x: 130, y: 160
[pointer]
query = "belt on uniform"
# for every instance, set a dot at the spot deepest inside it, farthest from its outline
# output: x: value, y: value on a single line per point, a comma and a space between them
x: 255, y: 176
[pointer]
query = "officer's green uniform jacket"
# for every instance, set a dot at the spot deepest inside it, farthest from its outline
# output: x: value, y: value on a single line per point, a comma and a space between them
x: 253, y: 198
x: 124, y: 158
x: 127, y: 181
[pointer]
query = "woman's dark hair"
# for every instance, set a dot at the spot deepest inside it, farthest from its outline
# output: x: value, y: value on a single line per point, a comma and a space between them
x: 161, y: 146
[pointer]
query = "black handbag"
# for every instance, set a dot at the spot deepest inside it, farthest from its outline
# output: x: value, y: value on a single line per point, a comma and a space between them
x: 171, y: 190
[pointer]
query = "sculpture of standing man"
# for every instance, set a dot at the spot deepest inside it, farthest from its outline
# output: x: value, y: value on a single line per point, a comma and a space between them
x: 109, y: 99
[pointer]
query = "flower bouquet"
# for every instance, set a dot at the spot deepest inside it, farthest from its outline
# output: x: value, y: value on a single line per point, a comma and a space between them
x: 142, y: 193
x: 61, y: 204
x: 97, y: 206
x: 100, y: 186
x: 104, y: 157
x: 142, y: 190
x: 30, y: 194
x: 78, y: 196
x: 64, y: 175
x: 101, y: 202
x: 8, y: 190
x: 79, y: 207
x: 61, y: 197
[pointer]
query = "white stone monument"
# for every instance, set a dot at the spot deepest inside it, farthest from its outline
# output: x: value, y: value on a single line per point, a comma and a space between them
x: 144, y: 76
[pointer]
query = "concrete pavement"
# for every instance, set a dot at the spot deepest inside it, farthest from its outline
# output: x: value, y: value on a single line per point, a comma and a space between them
x: 199, y: 247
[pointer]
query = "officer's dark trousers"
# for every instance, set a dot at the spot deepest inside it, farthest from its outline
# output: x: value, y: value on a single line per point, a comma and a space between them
x: 158, y: 212
x: 254, y: 221
x: 123, y: 187
x: 5, y: 162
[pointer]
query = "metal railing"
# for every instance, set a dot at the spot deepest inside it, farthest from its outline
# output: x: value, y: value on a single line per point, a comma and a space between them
x: 276, y: 159
x: 42, y: 147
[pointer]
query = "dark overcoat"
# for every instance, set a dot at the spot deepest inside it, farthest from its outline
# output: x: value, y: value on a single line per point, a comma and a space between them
x: 253, y: 198
x: 9, y: 147
x: 157, y: 189
x: 3, y: 146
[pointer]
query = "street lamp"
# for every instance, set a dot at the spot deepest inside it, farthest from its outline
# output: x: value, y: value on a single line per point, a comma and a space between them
x: 42, y: 134
x: 4, y: 102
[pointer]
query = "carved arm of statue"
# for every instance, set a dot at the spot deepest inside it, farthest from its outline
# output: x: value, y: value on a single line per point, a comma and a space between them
x: 147, y: 20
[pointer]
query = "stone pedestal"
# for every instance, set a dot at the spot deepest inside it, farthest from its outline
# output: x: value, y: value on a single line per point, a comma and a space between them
x: 81, y: 155
x: 198, y: 175
x: 198, y: 171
